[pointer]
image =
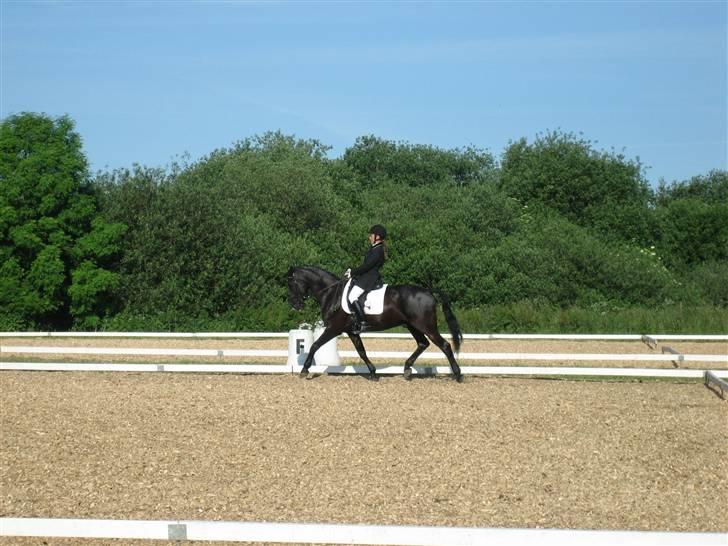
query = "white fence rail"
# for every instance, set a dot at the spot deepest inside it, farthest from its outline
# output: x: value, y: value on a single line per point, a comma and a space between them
x: 542, y: 371
x: 402, y: 355
x: 308, y: 533
x: 326, y: 364
x: 233, y: 335
x: 141, y: 351
x: 713, y: 378
x: 203, y: 335
x: 293, y: 363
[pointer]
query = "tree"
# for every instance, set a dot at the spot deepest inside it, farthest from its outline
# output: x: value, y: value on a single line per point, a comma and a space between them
x: 693, y: 232
x: 710, y: 188
x: 209, y: 243
x: 595, y: 189
x: 692, y: 220
x: 375, y: 160
x: 55, y: 246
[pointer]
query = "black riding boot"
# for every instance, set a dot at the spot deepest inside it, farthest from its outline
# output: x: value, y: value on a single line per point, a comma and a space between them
x: 359, y: 317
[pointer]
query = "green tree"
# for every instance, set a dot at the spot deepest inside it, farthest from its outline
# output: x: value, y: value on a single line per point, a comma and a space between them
x: 375, y: 159
x: 692, y: 222
x: 55, y: 247
x: 692, y: 232
x: 212, y: 241
x: 710, y: 188
x: 209, y: 243
x: 595, y: 189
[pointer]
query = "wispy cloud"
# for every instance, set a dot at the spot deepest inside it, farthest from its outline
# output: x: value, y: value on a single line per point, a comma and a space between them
x: 634, y: 45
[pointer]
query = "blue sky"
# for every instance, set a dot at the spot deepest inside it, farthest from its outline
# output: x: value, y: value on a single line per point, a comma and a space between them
x: 149, y: 81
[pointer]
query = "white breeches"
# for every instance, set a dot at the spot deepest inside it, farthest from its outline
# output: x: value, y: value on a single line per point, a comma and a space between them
x: 355, y: 292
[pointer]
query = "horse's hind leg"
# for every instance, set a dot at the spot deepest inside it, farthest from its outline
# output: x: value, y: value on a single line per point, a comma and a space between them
x: 422, y: 344
x: 444, y: 346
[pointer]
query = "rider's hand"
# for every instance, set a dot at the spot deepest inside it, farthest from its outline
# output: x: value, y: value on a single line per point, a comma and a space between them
x: 347, y: 274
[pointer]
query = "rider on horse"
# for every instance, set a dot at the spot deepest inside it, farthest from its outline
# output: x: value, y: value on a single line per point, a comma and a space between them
x: 366, y: 277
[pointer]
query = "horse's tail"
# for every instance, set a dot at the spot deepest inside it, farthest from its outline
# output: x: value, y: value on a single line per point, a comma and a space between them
x: 452, y: 321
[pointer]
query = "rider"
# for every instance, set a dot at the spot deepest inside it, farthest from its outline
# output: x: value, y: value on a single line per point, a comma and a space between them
x: 366, y: 276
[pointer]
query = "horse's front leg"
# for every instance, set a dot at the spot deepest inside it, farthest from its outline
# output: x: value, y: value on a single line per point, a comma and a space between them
x: 422, y: 345
x: 327, y: 335
x: 359, y: 346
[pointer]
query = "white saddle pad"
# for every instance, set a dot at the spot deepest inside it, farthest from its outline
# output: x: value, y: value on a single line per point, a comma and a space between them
x: 373, y: 305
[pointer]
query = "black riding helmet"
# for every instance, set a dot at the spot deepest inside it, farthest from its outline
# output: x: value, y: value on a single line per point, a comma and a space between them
x: 378, y: 230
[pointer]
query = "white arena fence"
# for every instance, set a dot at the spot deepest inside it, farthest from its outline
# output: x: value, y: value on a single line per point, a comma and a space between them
x: 328, y: 358
x: 382, y: 335
x: 344, y: 534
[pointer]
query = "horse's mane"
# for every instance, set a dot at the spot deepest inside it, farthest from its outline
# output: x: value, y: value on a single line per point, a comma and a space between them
x: 316, y: 270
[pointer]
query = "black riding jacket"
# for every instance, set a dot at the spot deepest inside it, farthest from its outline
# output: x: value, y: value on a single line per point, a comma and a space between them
x: 367, y: 274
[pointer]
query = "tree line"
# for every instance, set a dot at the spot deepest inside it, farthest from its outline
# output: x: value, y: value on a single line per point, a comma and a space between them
x: 552, y: 234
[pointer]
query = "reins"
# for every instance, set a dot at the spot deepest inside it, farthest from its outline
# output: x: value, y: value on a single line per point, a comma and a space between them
x: 329, y: 286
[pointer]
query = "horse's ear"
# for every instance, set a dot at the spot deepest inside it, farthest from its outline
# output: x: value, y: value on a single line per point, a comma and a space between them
x: 291, y: 270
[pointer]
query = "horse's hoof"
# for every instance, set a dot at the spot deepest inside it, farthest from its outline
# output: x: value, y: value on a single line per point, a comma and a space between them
x: 303, y: 374
x: 408, y: 374
x: 459, y: 378
x: 373, y: 377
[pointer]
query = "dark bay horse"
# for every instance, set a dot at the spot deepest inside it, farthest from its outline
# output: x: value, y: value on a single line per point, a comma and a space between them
x: 408, y: 305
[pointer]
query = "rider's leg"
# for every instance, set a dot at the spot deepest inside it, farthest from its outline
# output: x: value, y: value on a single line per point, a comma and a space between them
x: 359, y: 317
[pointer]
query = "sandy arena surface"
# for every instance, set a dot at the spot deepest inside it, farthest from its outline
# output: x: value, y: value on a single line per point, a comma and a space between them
x: 486, y: 453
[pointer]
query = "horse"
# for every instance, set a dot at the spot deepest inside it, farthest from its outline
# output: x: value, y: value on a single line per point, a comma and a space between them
x: 412, y: 306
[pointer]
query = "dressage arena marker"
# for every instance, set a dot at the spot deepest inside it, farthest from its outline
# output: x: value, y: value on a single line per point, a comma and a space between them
x: 395, y: 535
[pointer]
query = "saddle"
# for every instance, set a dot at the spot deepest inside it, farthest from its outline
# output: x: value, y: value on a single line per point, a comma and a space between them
x: 374, y: 303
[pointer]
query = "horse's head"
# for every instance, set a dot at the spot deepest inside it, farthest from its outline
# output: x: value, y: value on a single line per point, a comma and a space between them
x: 308, y: 281
x: 298, y: 289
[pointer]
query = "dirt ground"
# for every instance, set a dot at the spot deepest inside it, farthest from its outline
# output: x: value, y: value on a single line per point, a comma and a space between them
x: 491, y: 452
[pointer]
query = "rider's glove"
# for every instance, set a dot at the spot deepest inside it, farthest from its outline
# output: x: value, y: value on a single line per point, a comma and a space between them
x: 347, y: 274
